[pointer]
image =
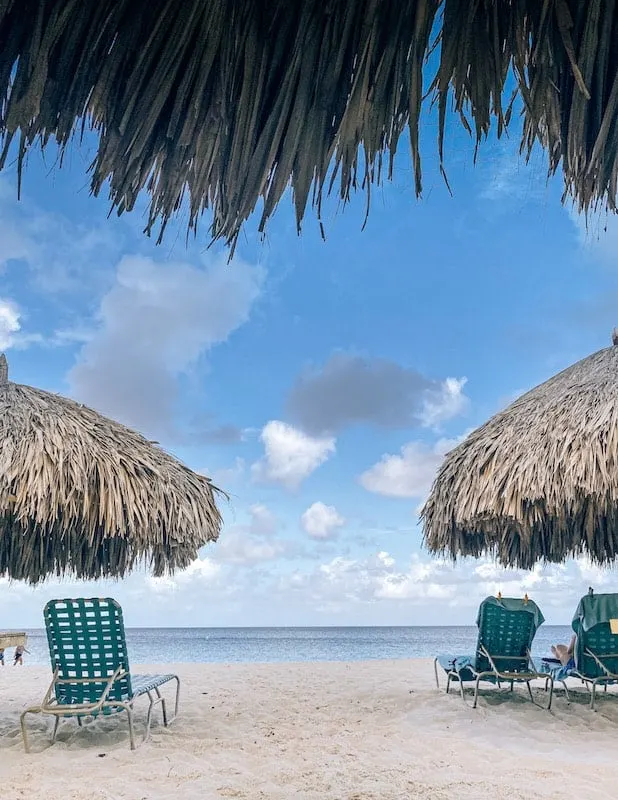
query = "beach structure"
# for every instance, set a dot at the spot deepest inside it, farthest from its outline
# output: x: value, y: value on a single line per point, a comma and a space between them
x: 83, y: 495
x: 89, y: 658
x: 227, y: 103
x: 507, y: 627
x: 538, y: 482
x: 595, y: 661
x: 13, y: 639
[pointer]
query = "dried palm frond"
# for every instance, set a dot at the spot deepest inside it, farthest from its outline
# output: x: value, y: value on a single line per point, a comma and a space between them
x: 539, y: 481
x: 83, y: 495
x: 226, y: 102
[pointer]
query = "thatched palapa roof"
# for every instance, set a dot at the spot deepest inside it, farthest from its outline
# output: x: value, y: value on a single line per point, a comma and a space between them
x: 228, y: 101
x: 538, y: 481
x: 83, y: 495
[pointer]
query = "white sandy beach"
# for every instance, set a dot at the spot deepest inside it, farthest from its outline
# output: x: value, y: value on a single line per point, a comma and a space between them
x: 359, y: 731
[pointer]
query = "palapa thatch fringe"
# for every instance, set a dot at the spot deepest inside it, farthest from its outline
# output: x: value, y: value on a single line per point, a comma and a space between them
x: 229, y: 101
x: 539, y: 481
x: 83, y: 495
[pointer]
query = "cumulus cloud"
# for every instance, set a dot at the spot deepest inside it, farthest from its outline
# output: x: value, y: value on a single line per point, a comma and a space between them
x: 250, y: 584
x: 11, y: 333
x: 349, y: 390
x: 263, y: 521
x: 241, y: 548
x: 253, y: 541
x: 352, y: 588
x: 153, y: 325
x: 9, y: 323
x: 409, y: 473
x: 444, y: 402
x: 201, y: 571
x: 320, y: 521
x: 290, y: 455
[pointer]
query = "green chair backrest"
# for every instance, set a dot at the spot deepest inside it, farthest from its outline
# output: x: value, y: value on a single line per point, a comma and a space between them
x: 592, y: 625
x: 86, y: 640
x: 506, y: 629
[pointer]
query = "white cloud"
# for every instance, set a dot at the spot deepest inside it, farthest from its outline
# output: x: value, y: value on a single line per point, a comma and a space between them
x: 444, y: 403
x: 261, y: 582
x: 239, y: 547
x: 263, y: 521
x: 9, y: 323
x: 201, y: 572
x: 409, y: 474
x: 253, y: 541
x: 11, y: 334
x: 349, y: 588
x: 153, y: 325
x: 290, y: 455
x: 321, y: 521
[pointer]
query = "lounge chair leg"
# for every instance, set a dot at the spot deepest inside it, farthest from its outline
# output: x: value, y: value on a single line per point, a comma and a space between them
x: 131, y: 729
x: 566, y: 691
x: 512, y: 684
x: 24, y: 732
x: 160, y: 699
x: 476, y: 692
x: 593, y: 693
x: 551, y: 690
x: 55, y: 731
x: 448, y: 682
x: 435, y: 672
x: 530, y: 691
x: 177, y: 701
x: 148, y: 718
x: 79, y: 722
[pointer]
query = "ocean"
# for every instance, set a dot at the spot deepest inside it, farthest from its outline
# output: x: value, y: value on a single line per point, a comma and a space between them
x: 235, y: 645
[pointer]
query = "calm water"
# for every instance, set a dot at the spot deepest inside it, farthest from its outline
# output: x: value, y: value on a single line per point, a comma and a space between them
x: 228, y: 645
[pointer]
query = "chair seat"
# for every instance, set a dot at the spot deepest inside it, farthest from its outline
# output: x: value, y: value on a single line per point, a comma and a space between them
x: 462, y: 665
x: 141, y: 684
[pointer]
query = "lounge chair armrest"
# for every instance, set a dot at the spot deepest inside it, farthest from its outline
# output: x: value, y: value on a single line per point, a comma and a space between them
x: 108, y: 681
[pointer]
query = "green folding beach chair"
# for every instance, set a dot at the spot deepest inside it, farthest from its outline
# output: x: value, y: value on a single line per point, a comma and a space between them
x: 506, y: 629
x: 595, y: 660
x: 89, y: 660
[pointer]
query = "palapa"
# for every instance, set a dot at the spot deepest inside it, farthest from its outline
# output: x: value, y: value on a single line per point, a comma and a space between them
x: 81, y: 494
x: 538, y: 482
x: 229, y: 102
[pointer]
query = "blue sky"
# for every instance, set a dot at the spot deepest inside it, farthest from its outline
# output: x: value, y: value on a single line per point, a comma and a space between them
x: 318, y: 382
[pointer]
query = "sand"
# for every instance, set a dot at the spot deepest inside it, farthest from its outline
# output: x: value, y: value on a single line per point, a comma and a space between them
x: 359, y: 731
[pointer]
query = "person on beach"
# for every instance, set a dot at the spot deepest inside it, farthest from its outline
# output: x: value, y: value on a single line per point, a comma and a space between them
x: 1, y: 656
x: 565, y: 653
x: 19, y: 655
